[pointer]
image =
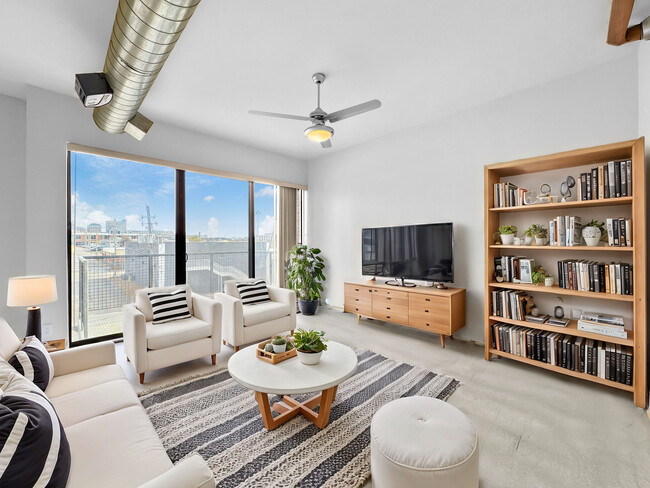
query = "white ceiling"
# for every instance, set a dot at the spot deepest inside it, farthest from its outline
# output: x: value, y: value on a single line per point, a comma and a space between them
x: 422, y: 58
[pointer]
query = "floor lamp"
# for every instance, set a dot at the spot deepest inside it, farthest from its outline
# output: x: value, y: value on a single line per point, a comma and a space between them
x: 31, y: 291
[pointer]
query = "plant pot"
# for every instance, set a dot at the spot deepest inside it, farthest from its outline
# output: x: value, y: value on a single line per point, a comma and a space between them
x: 591, y: 235
x: 279, y: 348
x: 517, y: 241
x: 507, y: 239
x: 308, y: 307
x: 528, y: 241
x: 540, y: 241
x: 309, y: 357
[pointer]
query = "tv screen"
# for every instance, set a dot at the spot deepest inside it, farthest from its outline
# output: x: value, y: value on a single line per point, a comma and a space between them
x: 419, y: 252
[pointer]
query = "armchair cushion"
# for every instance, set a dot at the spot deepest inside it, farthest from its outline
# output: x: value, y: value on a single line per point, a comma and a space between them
x: 143, y: 304
x: 253, y: 292
x: 169, y: 306
x: 264, y: 312
x: 170, y: 334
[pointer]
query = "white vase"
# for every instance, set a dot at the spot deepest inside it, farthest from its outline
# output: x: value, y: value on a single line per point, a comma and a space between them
x: 528, y: 241
x: 507, y: 239
x: 540, y: 241
x: 309, y: 357
x: 279, y: 348
x: 591, y: 235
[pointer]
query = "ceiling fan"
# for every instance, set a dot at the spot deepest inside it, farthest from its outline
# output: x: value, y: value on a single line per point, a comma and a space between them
x: 318, y: 131
x: 619, y: 33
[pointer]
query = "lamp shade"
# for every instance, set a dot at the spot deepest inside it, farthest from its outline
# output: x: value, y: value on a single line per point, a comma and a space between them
x: 28, y: 291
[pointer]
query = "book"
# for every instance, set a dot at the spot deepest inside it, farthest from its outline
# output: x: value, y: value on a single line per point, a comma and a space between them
x: 558, y: 322
x: 526, y: 267
x: 601, y: 183
x: 583, y: 186
x: 617, y: 179
x: 594, y: 184
x: 610, y: 231
x: 629, y: 177
x: 605, y: 182
x: 603, y: 318
x: 594, y: 328
x: 612, y: 180
x: 628, y: 233
x: 589, y: 186
x: 623, y: 178
x: 540, y: 319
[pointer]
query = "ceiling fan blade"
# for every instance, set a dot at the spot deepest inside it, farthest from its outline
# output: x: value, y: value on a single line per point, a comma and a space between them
x: 619, y: 19
x: 352, y: 111
x: 282, y: 116
x: 327, y: 143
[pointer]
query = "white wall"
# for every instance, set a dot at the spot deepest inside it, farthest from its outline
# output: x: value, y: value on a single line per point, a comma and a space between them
x: 434, y: 173
x: 51, y: 121
x: 12, y: 203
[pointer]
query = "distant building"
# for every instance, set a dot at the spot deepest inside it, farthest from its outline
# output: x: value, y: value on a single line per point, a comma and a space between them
x: 94, y: 228
x: 116, y: 226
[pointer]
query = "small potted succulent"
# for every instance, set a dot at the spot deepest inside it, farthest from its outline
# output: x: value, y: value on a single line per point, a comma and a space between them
x: 528, y: 236
x: 508, y: 233
x: 593, y: 232
x: 540, y: 233
x: 309, y: 345
x: 279, y: 344
x: 539, y: 275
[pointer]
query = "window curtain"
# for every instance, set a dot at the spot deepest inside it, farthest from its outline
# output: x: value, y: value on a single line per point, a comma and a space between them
x: 287, y: 232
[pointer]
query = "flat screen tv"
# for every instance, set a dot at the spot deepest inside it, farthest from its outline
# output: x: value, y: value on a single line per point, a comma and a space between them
x: 418, y: 252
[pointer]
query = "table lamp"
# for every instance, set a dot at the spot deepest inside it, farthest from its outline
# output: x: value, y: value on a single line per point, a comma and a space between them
x: 31, y: 291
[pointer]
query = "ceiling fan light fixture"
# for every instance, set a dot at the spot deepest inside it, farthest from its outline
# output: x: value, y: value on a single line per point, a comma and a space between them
x: 319, y: 133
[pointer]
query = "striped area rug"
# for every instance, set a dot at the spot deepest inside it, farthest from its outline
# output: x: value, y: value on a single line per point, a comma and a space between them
x: 216, y: 417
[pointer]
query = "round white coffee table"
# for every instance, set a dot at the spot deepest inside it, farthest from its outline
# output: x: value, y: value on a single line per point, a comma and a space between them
x: 291, y: 377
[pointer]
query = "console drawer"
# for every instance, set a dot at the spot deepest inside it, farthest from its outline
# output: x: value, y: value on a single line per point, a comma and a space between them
x: 391, y: 316
x: 388, y: 301
x: 358, y: 309
x: 430, y: 312
x: 382, y: 292
x: 432, y: 323
x: 389, y: 308
x: 357, y: 291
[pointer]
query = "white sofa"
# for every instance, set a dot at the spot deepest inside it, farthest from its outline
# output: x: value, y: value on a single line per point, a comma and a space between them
x: 243, y: 324
x: 151, y: 347
x: 112, y: 441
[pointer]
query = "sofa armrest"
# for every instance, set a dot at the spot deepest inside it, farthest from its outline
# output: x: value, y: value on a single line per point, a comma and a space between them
x: 192, y: 472
x: 232, y: 318
x: 83, y: 358
x: 209, y: 311
x: 134, y: 329
x: 282, y: 295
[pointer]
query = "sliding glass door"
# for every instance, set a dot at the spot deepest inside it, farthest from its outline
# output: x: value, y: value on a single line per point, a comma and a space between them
x: 265, y: 205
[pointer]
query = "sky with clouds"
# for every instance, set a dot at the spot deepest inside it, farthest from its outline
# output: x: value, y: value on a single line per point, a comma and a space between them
x: 108, y: 188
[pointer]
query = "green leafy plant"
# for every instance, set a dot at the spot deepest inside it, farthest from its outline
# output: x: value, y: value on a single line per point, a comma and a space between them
x: 310, y: 341
x: 278, y: 341
x: 539, y: 231
x: 305, y: 272
x: 539, y: 275
x: 528, y: 232
x: 508, y: 229
x: 600, y: 226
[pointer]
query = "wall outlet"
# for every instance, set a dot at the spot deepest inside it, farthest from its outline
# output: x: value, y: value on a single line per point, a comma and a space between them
x: 47, y: 331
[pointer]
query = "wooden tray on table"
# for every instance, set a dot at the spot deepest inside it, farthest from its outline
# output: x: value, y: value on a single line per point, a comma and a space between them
x: 272, y: 357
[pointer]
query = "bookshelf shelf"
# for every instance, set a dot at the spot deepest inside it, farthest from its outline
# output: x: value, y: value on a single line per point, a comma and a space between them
x: 579, y: 159
x: 558, y: 369
x: 556, y: 290
x: 566, y: 248
x: 571, y: 329
x: 608, y: 202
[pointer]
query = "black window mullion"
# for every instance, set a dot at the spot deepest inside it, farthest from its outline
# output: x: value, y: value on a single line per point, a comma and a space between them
x: 181, y: 246
x: 251, y: 229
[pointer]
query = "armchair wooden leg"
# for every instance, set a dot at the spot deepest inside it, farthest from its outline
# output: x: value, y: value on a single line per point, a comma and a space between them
x: 141, y: 378
x: 236, y: 348
x: 214, y: 359
x: 128, y: 360
x: 291, y: 331
x: 224, y: 342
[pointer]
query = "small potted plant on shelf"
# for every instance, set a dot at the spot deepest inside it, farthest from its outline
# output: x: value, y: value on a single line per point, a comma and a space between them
x: 528, y: 236
x: 540, y: 233
x: 507, y: 233
x: 539, y: 275
x: 279, y: 344
x: 304, y: 276
x: 309, y: 345
x: 593, y: 232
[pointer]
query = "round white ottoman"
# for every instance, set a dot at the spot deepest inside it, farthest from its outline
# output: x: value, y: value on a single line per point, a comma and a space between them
x: 419, y: 442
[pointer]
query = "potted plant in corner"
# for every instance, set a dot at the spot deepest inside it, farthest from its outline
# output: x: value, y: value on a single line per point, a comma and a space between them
x: 304, y: 274
x: 309, y: 345
x: 593, y: 232
x: 540, y: 233
x: 508, y: 233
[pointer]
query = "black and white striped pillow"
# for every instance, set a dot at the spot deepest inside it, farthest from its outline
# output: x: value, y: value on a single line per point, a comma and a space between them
x: 34, y: 450
x: 33, y: 361
x: 253, y: 292
x: 169, y: 306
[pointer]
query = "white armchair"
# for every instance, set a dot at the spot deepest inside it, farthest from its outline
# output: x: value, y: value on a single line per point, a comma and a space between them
x: 149, y: 347
x: 243, y: 324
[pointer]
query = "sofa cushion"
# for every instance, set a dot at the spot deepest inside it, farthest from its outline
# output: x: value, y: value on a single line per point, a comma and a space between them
x: 253, y: 292
x: 143, y: 304
x: 263, y: 312
x: 34, y: 450
x: 80, y: 380
x: 169, y: 306
x: 162, y: 336
x: 119, y: 449
x: 96, y: 400
x: 33, y: 361
x: 9, y: 342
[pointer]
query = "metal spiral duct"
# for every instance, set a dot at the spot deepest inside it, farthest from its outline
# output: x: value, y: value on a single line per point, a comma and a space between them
x: 144, y: 34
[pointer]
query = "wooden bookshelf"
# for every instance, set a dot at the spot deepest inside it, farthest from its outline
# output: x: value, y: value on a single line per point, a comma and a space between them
x: 593, y: 156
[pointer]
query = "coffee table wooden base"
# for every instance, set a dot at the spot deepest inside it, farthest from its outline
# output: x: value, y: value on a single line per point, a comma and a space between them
x: 288, y: 408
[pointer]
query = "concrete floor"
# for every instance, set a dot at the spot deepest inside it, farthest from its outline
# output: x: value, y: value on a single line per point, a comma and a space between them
x: 536, y: 428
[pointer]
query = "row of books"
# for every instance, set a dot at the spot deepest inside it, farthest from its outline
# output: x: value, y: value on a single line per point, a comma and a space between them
x: 510, y: 304
x: 508, y: 195
x: 598, y: 358
x: 565, y: 230
x: 619, y: 232
x: 583, y: 275
x: 515, y: 269
x: 612, y: 180
x: 601, y: 323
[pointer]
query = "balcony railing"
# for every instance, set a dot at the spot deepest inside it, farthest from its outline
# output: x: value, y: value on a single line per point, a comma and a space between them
x: 103, y: 284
